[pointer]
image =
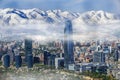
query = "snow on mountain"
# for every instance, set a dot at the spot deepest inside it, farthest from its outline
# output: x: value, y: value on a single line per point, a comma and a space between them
x: 10, y: 16
x: 49, y: 25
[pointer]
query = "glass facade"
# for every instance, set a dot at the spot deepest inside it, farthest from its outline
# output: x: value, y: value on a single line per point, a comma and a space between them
x: 68, y: 44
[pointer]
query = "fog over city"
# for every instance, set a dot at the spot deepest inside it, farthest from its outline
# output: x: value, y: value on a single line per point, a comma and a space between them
x: 54, y: 32
x: 59, y: 39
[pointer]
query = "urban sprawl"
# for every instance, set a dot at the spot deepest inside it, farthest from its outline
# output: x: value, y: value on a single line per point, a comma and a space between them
x: 102, y: 56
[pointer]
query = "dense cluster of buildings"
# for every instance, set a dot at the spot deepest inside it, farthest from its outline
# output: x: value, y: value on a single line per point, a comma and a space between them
x: 101, y: 56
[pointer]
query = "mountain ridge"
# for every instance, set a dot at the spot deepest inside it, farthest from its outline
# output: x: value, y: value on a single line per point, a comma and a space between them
x: 11, y: 16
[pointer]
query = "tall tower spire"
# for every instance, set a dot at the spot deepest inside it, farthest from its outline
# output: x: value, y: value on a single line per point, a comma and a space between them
x: 68, y: 44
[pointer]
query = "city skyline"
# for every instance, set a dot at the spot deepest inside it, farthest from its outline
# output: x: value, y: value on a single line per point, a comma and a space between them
x: 47, y: 39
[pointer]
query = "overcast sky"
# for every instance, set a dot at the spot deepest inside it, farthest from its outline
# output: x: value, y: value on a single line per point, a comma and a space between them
x: 70, y: 5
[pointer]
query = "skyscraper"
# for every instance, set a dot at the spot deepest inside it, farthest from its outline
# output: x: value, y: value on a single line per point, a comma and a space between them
x: 68, y: 44
x: 46, y: 55
x: 99, y: 57
x: 18, y: 61
x: 6, y: 60
x: 30, y: 60
x: 28, y: 47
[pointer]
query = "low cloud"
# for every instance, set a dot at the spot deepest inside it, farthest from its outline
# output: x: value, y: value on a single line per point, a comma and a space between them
x: 37, y: 32
x: 47, y: 32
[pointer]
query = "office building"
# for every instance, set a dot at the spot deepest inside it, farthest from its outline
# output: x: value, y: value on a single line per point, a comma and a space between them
x: 6, y: 60
x: 59, y: 63
x: 51, y: 60
x: 99, y: 57
x: 28, y: 47
x: 68, y: 44
x: 46, y: 56
x: 116, y: 55
x: 30, y: 60
x: 12, y: 56
x: 118, y: 45
x: 83, y: 67
x: 18, y: 61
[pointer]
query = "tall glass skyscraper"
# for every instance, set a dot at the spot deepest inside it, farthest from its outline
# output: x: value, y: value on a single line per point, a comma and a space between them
x: 68, y: 44
x: 28, y: 47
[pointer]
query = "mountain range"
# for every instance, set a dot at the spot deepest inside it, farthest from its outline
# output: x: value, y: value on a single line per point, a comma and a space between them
x: 39, y: 24
x: 10, y: 16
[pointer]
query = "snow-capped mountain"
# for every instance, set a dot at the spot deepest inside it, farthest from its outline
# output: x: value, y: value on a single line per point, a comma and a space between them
x: 10, y: 16
x: 46, y: 25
